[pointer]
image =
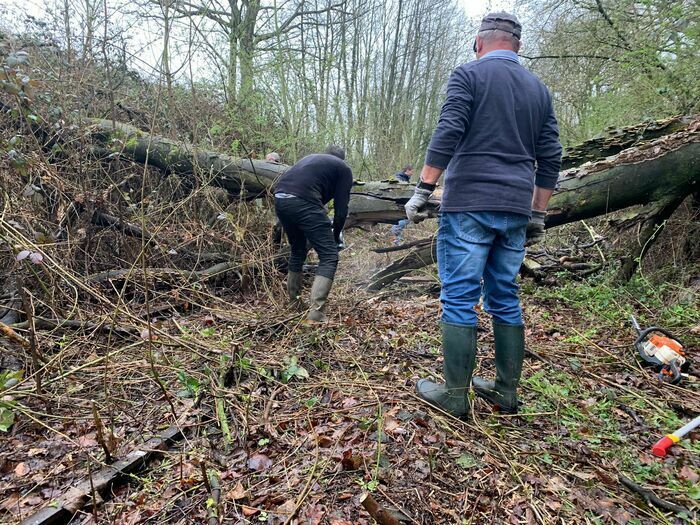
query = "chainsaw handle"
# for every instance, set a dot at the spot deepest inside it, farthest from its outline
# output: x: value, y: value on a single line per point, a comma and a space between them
x: 673, y: 371
x: 645, y: 333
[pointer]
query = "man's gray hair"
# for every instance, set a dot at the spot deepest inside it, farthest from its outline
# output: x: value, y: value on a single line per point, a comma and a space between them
x: 496, y: 35
x: 336, y: 151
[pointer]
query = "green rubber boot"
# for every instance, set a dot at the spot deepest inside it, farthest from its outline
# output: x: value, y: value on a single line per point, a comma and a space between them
x: 459, y: 349
x: 319, y: 295
x: 294, y: 282
x: 510, y: 351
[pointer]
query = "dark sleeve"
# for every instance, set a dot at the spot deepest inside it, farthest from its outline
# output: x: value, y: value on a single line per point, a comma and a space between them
x: 454, y: 120
x: 548, y: 150
x: 341, y: 198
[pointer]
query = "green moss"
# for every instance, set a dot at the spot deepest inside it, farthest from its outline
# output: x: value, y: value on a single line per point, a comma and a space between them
x: 131, y: 143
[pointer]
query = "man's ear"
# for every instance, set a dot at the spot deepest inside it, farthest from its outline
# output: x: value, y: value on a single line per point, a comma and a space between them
x: 518, y: 46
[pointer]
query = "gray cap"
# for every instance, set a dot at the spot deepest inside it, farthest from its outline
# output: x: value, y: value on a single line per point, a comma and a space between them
x: 503, y: 21
x: 273, y: 156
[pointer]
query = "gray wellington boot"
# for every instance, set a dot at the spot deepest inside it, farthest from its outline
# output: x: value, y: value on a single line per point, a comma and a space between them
x: 294, y: 282
x: 319, y: 295
x: 510, y: 351
x: 459, y: 349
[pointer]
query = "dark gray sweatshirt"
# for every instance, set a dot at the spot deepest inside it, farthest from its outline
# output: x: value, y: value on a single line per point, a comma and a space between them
x: 498, y: 134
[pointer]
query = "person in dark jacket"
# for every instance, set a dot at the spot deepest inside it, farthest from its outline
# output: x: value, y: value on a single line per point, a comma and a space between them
x: 397, y: 229
x: 498, y: 133
x: 300, y: 196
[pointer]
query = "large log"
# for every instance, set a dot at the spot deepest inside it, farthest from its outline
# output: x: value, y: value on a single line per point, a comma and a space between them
x: 587, y: 191
x: 664, y: 168
x: 660, y: 172
x: 370, y: 202
x: 246, y: 177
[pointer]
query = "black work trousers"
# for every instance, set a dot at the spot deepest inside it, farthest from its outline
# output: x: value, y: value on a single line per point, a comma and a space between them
x: 304, y: 221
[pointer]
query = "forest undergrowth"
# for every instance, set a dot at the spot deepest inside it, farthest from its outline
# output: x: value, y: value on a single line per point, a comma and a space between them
x: 296, y: 422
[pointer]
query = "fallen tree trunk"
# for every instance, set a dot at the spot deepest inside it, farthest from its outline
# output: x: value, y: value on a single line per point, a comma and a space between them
x: 245, y: 177
x: 663, y: 169
x: 382, y: 202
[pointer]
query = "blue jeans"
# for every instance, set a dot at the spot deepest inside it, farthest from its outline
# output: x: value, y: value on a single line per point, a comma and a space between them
x: 476, y: 245
x: 397, y: 230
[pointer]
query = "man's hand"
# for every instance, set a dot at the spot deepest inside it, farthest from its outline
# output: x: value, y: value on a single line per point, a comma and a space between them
x: 535, y: 228
x: 415, y: 207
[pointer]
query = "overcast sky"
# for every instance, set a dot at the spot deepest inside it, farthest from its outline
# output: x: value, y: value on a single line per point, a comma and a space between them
x: 150, y: 54
x: 475, y: 8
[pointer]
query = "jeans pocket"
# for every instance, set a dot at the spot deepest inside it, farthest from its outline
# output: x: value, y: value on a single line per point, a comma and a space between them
x: 516, y: 231
x: 473, y: 227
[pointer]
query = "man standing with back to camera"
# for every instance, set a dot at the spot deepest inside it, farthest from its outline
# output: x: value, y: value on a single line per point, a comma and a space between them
x: 498, y: 133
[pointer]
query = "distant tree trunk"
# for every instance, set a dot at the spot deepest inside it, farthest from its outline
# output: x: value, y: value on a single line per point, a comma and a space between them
x: 66, y: 25
x: 165, y: 58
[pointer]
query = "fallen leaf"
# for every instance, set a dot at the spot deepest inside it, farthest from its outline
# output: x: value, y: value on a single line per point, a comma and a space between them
x: 249, y: 511
x: 21, y: 469
x: 237, y: 492
x: 287, y: 508
x: 349, y: 402
x: 339, y: 521
x: 391, y: 424
x: 259, y: 462
x: 10, y: 504
x: 313, y: 514
x: 88, y: 440
x: 688, y: 474
x: 351, y: 461
x: 32, y: 501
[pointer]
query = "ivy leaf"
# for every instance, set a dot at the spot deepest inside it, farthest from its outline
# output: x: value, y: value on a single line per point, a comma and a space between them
x: 466, y: 461
x: 17, y: 58
x: 7, y: 419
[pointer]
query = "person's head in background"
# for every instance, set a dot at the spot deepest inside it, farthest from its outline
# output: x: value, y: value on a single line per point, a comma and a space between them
x: 336, y: 151
x: 408, y: 170
x: 273, y: 156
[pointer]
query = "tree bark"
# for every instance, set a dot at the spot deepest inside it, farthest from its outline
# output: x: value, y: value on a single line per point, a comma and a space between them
x: 614, y: 141
x: 243, y: 177
x: 663, y: 169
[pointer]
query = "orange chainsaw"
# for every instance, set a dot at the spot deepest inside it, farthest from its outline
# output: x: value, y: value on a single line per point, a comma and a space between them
x: 661, y: 350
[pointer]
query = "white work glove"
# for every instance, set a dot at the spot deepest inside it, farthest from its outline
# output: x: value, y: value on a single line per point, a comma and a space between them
x: 415, y: 207
x: 341, y: 241
x: 535, y: 228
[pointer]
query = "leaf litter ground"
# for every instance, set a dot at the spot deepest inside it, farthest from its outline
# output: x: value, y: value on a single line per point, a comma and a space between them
x: 298, y: 421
